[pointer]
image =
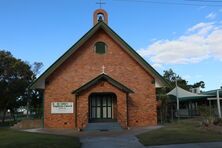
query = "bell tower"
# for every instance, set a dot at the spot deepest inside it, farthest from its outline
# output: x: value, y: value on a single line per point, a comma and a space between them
x: 100, y: 15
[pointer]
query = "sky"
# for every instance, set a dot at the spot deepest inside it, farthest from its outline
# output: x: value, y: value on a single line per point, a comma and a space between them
x: 185, y: 35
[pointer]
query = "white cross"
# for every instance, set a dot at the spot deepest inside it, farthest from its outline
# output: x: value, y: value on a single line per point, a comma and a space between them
x: 103, y: 69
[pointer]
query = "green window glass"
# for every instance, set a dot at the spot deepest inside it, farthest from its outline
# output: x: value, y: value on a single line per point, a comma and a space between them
x: 100, y: 47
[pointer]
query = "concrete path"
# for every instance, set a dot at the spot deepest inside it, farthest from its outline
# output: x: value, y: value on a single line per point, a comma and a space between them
x: 191, y: 145
x: 111, y: 142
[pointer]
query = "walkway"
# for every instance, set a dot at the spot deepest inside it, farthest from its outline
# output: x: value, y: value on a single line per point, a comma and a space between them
x: 113, y: 139
x: 191, y: 145
x: 111, y: 142
x: 119, y: 139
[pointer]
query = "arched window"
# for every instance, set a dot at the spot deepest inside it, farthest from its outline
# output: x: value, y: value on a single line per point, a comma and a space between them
x: 100, y: 17
x: 100, y: 48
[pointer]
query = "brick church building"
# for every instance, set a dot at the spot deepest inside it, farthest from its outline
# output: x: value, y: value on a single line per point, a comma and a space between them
x: 99, y: 79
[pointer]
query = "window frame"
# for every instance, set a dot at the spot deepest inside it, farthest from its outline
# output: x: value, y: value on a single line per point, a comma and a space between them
x: 95, y: 48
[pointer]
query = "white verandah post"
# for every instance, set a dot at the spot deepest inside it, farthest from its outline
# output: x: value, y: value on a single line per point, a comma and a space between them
x: 218, y: 104
x: 178, y: 103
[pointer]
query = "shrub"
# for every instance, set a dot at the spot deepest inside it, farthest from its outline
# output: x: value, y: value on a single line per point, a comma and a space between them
x: 218, y: 122
x: 205, y: 114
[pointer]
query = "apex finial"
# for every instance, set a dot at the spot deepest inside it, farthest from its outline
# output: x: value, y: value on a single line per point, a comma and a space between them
x: 100, y: 3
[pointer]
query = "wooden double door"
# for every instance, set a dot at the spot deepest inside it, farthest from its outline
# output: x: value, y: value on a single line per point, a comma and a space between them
x: 101, y: 107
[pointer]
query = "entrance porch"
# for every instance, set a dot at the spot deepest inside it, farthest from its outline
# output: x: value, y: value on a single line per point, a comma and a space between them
x: 101, y: 100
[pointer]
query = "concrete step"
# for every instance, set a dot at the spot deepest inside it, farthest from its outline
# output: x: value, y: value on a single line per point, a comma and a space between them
x: 103, y: 126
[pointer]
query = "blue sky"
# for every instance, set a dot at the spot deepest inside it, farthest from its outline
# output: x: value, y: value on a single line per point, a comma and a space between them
x: 186, y: 38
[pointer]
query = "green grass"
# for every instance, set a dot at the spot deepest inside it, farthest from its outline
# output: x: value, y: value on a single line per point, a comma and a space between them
x: 11, y: 138
x: 187, y: 131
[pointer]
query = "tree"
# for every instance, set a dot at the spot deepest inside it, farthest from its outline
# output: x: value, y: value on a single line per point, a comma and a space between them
x: 162, y: 104
x: 36, y: 67
x: 171, y: 77
x: 15, y: 76
x: 34, y: 98
x: 200, y: 84
x: 163, y: 99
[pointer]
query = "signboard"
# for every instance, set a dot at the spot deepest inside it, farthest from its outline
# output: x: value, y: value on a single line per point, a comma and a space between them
x: 61, y: 107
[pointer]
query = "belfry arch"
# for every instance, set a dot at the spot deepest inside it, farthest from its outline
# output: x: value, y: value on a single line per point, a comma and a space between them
x: 100, y: 15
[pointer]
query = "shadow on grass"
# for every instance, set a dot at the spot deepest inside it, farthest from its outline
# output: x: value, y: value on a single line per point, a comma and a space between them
x: 8, y: 123
x: 11, y: 138
x: 185, y: 131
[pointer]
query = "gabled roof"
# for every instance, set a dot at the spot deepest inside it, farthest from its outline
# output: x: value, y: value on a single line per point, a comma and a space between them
x: 40, y: 82
x: 103, y: 77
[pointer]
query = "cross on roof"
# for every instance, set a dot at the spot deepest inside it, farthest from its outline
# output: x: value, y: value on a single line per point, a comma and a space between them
x: 103, y: 69
x: 100, y: 3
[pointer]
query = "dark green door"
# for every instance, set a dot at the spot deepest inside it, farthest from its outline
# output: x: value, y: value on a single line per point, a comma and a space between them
x: 101, y: 107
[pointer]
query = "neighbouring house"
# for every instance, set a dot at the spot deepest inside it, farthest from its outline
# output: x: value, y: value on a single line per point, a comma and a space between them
x: 100, y: 79
x: 185, y: 103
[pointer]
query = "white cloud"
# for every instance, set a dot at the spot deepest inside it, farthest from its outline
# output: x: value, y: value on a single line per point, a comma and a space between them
x: 153, y: 40
x: 202, y: 7
x: 186, y: 77
x: 202, y: 28
x: 198, y: 76
x: 174, y: 33
x: 200, y: 42
x: 211, y: 15
x: 159, y: 66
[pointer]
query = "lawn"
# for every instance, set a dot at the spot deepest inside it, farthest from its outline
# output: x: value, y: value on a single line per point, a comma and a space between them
x: 8, y: 123
x: 11, y: 138
x: 185, y: 131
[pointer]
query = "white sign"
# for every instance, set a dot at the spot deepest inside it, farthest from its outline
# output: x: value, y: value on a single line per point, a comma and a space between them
x: 61, y: 107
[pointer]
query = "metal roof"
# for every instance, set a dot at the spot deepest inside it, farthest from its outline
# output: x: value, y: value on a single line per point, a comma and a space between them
x: 213, y: 92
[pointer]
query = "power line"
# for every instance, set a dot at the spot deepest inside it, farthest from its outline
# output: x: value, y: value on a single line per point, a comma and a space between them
x: 168, y: 3
x: 206, y: 1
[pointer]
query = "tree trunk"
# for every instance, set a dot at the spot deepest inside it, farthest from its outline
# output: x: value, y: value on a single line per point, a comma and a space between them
x: 13, y: 114
x: 161, y: 115
x: 27, y: 108
x: 166, y: 112
x: 4, y: 113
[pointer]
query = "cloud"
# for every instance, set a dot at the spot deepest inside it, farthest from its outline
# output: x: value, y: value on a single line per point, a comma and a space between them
x: 202, y: 7
x: 211, y: 15
x: 186, y: 77
x: 198, y: 76
x: 199, y: 42
x: 159, y: 66
x: 202, y: 28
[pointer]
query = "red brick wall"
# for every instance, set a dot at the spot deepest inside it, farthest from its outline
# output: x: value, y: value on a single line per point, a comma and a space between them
x: 83, y: 66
